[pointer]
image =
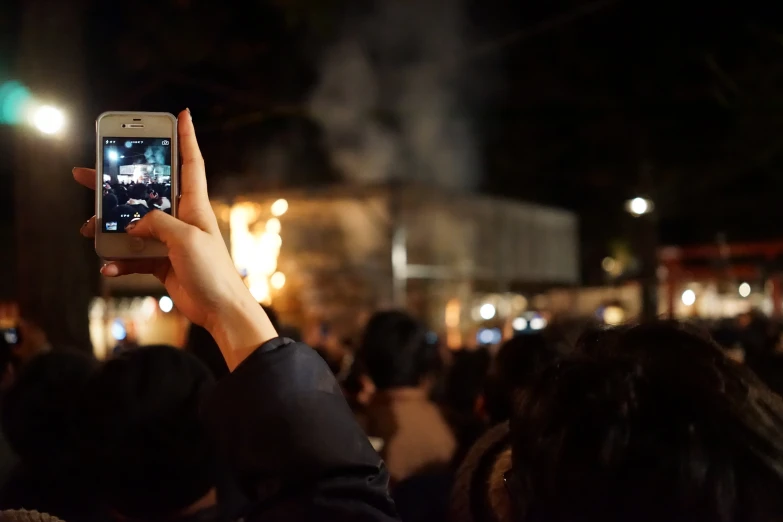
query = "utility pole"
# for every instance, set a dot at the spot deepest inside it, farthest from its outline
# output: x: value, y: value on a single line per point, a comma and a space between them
x: 55, y: 276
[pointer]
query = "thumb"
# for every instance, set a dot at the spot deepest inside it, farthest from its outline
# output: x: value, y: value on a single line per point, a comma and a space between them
x: 158, y: 225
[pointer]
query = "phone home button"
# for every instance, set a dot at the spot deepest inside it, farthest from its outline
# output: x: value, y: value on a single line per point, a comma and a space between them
x: 137, y: 244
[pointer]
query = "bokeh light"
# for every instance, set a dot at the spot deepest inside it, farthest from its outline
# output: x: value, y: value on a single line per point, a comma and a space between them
x: 166, y: 304
x: 14, y: 100
x: 48, y: 119
x: 279, y: 207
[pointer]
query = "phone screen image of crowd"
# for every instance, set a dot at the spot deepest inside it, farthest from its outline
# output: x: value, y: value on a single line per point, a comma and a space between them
x: 136, y: 180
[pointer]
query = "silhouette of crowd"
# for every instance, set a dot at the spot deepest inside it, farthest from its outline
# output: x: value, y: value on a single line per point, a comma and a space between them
x: 124, y: 203
x: 645, y: 422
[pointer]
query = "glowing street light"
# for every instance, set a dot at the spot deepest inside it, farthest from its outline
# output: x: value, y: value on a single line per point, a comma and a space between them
x: 48, y: 119
x: 688, y: 297
x: 112, y: 155
x: 744, y: 290
x: 487, y: 311
x: 639, y: 206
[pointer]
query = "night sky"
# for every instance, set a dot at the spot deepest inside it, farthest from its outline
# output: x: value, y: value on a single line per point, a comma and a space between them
x: 575, y: 104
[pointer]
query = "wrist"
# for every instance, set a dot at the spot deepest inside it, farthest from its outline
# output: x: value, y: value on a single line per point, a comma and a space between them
x: 239, y: 328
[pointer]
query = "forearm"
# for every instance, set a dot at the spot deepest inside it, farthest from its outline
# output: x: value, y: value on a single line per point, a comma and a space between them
x: 241, y: 328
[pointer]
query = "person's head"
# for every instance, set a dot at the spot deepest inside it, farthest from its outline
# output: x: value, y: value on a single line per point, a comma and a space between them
x: 138, y: 191
x: 152, y: 455
x: 645, y: 423
x: 516, y: 364
x: 201, y: 344
x: 110, y: 201
x: 465, y: 380
x: 40, y: 411
x: 397, y: 351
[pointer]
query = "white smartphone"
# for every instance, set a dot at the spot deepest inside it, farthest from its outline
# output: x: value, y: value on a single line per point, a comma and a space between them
x: 136, y: 171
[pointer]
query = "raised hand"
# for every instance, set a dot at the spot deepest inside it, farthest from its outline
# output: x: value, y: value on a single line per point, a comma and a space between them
x: 198, y: 274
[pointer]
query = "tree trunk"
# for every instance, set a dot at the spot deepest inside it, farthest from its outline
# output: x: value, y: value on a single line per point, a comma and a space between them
x: 55, y: 267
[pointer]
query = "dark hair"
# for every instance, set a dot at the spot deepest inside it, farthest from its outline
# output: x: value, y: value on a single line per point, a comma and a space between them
x: 201, y: 344
x: 152, y: 454
x: 110, y: 201
x: 137, y: 191
x: 396, y: 350
x: 647, y: 423
x: 39, y: 412
x: 517, y: 362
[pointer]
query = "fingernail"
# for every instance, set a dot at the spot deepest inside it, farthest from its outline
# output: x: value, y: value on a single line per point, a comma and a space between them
x: 104, y: 267
x: 84, y: 225
x: 130, y: 226
x: 189, y: 113
x: 73, y: 170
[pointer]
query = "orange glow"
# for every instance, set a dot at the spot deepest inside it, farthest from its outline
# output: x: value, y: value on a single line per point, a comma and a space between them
x: 452, y: 320
x: 255, y: 250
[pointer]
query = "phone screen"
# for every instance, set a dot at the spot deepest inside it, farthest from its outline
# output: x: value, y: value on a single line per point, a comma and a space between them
x: 136, y: 179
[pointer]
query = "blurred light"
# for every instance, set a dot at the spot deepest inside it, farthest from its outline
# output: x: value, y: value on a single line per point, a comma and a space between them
x: 118, y: 330
x: 254, y: 249
x: 487, y: 311
x: 519, y: 324
x: 14, y: 97
x: 744, y: 290
x: 639, y: 206
x: 48, y: 119
x: 614, y: 315
x: 106, y: 178
x: 260, y: 291
x: 519, y: 303
x: 273, y: 226
x: 537, y: 323
x: 112, y: 155
x: 452, y: 313
x: 279, y: 207
x: 485, y: 336
x: 277, y: 280
x: 166, y: 304
x: 688, y: 297
x: 149, y: 307
x: 609, y: 264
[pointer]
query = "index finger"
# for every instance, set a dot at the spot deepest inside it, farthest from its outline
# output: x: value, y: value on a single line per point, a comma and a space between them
x: 85, y: 177
x: 193, y: 176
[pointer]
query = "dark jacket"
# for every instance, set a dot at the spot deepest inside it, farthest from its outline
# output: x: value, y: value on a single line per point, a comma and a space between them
x: 291, y: 440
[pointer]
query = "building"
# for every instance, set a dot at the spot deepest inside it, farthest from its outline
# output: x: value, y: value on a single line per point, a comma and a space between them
x: 335, y: 254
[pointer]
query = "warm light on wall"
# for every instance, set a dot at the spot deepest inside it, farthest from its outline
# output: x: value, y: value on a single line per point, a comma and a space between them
x: 279, y: 207
x: 277, y: 280
x: 452, y: 320
x: 255, y: 250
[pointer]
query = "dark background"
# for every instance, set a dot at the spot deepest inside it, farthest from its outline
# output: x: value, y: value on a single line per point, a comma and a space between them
x: 576, y: 104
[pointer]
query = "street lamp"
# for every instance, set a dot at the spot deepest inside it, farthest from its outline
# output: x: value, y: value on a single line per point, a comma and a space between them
x: 48, y: 119
x: 646, y: 236
x: 639, y: 206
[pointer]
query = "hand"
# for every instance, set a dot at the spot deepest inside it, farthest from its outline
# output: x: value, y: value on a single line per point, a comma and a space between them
x: 198, y: 274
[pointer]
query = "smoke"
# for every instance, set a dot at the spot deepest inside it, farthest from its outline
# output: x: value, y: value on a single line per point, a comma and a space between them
x: 390, y: 97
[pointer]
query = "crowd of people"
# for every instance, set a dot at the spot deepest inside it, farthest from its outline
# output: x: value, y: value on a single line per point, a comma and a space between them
x: 127, y: 202
x: 645, y: 423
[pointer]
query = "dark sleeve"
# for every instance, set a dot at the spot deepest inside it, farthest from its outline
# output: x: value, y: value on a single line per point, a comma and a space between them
x: 284, y: 427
